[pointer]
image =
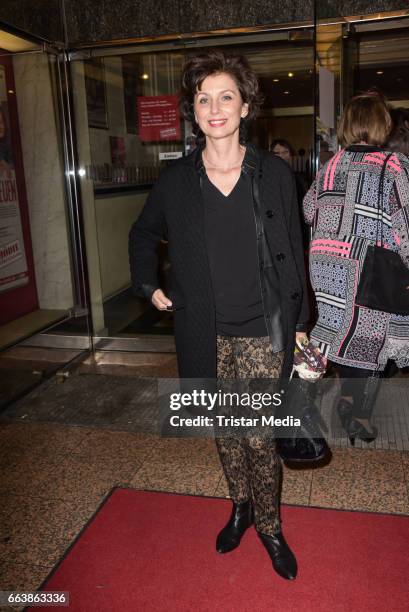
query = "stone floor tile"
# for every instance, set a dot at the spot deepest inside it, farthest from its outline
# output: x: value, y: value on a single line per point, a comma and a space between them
x: 177, y: 477
x: 28, y: 476
x: 105, y: 446
x: 22, y: 442
x: 102, y: 460
x: 333, y: 490
x: 192, y: 450
x: 369, y: 463
x: 39, y: 531
x: 70, y: 479
x: 75, y: 477
x: 18, y: 576
x: 296, y: 487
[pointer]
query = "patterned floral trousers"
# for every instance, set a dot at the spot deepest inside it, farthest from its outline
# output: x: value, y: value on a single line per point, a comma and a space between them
x: 251, y: 465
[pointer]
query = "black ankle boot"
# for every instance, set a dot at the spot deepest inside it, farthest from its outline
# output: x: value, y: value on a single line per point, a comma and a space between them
x: 284, y: 562
x: 241, y: 518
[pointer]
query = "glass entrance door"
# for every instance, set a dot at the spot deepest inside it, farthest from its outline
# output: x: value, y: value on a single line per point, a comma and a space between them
x: 128, y: 128
x: 43, y: 316
x: 354, y: 55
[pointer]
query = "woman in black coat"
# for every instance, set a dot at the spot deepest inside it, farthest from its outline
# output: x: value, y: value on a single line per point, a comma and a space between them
x: 238, y: 290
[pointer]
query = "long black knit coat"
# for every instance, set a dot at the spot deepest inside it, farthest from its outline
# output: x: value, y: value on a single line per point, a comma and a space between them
x: 174, y: 208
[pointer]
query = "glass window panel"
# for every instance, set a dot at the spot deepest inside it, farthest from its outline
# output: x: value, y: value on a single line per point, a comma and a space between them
x: 120, y: 160
x: 42, y: 326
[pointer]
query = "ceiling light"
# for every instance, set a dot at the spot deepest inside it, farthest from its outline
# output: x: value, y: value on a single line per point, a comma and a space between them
x: 379, y: 72
x: 15, y: 44
x: 286, y: 92
x: 275, y: 80
x: 145, y: 76
x: 291, y: 74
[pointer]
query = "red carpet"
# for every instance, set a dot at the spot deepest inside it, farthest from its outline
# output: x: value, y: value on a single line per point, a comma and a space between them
x: 155, y: 551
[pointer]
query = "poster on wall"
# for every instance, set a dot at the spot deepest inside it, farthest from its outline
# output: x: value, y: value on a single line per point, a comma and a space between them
x: 13, y: 262
x: 158, y: 118
x: 18, y: 291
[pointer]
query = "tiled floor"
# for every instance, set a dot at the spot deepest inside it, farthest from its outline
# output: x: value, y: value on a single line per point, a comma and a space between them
x: 54, y: 477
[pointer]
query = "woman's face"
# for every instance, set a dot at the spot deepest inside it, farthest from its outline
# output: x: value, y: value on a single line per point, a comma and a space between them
x: 282, y: 152
x: 218, y: 106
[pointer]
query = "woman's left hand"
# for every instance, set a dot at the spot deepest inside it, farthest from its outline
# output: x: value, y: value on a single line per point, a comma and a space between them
x: 301, y: 337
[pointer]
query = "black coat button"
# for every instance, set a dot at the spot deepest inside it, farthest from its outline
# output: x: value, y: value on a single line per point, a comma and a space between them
x: 295, y: 296
x: 269, y: 214
x: 280, y: 256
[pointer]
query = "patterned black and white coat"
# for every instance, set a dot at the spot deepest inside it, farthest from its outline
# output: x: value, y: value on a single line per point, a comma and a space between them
x: 341, y: 205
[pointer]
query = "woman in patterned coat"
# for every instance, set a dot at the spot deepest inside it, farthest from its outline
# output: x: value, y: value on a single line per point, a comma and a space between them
x: 341, y: 206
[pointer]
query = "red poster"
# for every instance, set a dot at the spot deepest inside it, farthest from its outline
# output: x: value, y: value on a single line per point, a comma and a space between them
x: 18, y: 295
x: 158, y: 118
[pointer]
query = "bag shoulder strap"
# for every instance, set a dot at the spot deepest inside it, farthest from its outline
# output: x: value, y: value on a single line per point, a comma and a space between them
x: 380, y: 199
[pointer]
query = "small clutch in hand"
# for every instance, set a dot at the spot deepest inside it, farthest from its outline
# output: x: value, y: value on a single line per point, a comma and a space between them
x: 308, y: 361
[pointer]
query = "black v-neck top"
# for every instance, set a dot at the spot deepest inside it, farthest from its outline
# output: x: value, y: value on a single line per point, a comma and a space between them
x: 230, y: 232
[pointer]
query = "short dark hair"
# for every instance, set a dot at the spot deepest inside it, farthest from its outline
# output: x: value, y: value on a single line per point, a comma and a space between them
x: 283, y: 143
x: 215, y: 61
x: 399, y: 137
x: 366, y: 118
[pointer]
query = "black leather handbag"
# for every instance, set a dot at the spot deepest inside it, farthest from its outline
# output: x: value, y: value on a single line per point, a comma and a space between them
x: 306, y: 443
x: 384, y: 278
x: 304, y: 449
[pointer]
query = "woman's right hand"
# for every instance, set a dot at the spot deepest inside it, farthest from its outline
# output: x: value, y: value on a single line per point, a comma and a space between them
x: 160, y: 301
